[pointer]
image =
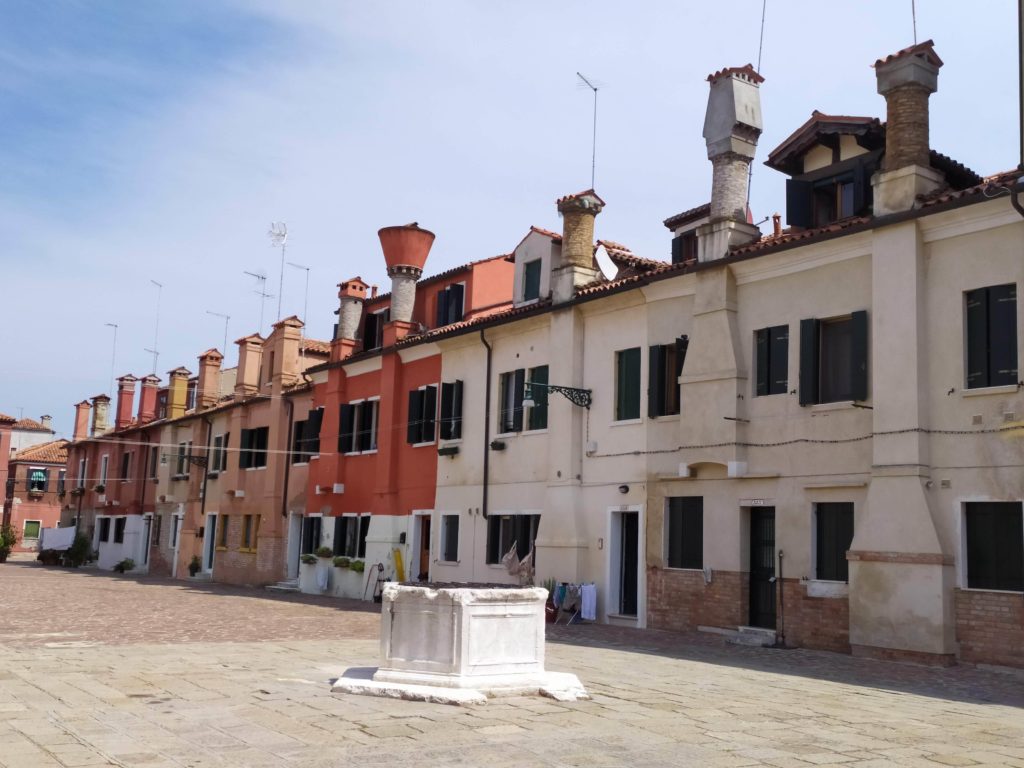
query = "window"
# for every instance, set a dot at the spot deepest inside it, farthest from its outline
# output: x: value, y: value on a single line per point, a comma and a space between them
x: 190, y: 395
x: 31, y: 529
x: 119, y: 525
x: 422, y: 414
x: 995, y: 545
x: 38, y: 480
x: 373, y: 328
x: 223, y: 523
x: 306, y: 437
x: 250, y: 529
x: 510, y: 401
x: 450, y: 538
x: 451, y: 410
x: 836, y: 192
x: 834, y: 359
x: 104, y: 461
x: 504, y: 531
x: 834, y: 533
x: 991, y: 315
x: 161, y: 404
x: 450, y: 304
x: 219, y: 458
x: 627, y: 384
x: 531, y: 280
x: 154, y: 459
x: 126, y: 465
x: 253, y: 451
x: 684, y: 248
x: 175, y: 527
x: 357, y: 432
x: 537, y: 417
x: 104, y: 528
x: 666, y: 366
x: 181, y: 466
x: 832, y: 200
x: 771, y: 361
x: 60, y: 481
x: 81, y: 474
x: 157, y: 525
x: 685, y: 532
x: 350, y: 535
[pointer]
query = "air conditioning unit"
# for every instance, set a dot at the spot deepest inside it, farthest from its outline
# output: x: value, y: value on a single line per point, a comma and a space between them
x: 338, y: 488
x: 239, y: 494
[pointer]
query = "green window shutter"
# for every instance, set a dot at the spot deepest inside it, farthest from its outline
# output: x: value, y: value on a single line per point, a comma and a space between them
x: 1002, y: 335
x: 628, y: 395
x: 809, y: 361
x: 761, y: 349
x: 778, y: 360
x: 441, y: 316
x: 456, y: 425
x: 447, y: 406
x: 455, y: 297
x: 539, y: 412
x: 799, y: 209
x: 977, y: 338
x: 655, y: 381
x: 429, y: 414
x: 346, y: 428
x: 859, y: 353
x: 244, y: 456
x: 531, y: 280
x: 519, y: 382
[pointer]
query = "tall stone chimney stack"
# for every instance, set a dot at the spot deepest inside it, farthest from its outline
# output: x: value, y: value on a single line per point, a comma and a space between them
x: 208, y: 387
x: 250, y: 355
x: 732, y: 126
x: 100, y: 414
x: 47, y: 422
x: 575, y: 265
x: 351, y: 295
x: 125, y: 400
x: 148, y: 398
x: 405, y: 251
x: 906, y: 79
x: 81, y: 420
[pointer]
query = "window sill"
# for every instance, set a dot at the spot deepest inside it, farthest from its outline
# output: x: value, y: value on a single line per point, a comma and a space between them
x: 1005, y: 389
x: 213, y: 475
x: 247, y: 551
x: 422, y: 445
x: 447, y: 562
x: 684, y: 570
x: 839, y: 405
x: 543, y: 431
x: 669, y: 417
x: 314, y: 457
x: 300, y: 463
x: 826, y: 588
x: 370, y: 452
x: 626, y: 422
x: 255, y: 469
x: 996, y: 591
x: 452, y: 441
x: 504, y: 435
x: 222, y: 549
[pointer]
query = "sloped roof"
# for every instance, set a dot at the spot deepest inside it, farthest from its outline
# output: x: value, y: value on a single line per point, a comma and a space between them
x: 30, y: 425
x: 988, y: 187
x: 672, y: 222
x: 925, y: 49
x: 54, y: 452
x: 5, y: 419
x: 869, y: 131
x: 316, y: 346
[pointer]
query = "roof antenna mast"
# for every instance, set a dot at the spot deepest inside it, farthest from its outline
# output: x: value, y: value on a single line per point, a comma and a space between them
x: 156, y: 329
x: 262, y: 293
x: 913, y: 18
x: 593, y: 150
x: 278, y: 234
x: 760, y: 48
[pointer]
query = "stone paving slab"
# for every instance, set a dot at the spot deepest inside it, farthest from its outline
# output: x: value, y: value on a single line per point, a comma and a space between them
x: 150, y: 673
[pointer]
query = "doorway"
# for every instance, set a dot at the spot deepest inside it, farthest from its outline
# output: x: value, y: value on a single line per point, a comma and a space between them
x: 629, y: 559
x: 423, y: 556
x: 209, y: 543
x: 294, y: 544
x: 762, y: 567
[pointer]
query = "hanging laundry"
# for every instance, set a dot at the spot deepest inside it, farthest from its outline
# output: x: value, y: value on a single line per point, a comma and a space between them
x: 588, y: 609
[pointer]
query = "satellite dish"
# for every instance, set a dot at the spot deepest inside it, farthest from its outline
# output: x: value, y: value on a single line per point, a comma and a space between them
x: 605, y: 263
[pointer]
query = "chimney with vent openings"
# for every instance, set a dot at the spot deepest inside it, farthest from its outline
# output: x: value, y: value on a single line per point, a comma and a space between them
x: 906, y: 80
x: 250, y: 354
x: 732, y: 126
x: 81, y: 421
x: 208, y: 388
x: 148, y: 397
x: 405, y: 251
x: 47, y: 422
x: 125, y: 400
x: 351, y: 295
x: 100, y: 414
x: 574, y: 266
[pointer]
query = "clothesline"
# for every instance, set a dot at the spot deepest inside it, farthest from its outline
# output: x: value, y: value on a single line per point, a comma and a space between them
x: 578, y: 600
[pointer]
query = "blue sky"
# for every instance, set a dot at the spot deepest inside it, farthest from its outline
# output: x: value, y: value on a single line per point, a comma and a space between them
x: 157, y: 140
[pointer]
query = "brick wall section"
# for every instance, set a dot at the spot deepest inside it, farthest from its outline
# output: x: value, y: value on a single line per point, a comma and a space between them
x: 729, y: 186
x: 265, y: 566
x: 820, y: 623
x: 906, y: 141
x: 990, y: 627
x: 680, y: 601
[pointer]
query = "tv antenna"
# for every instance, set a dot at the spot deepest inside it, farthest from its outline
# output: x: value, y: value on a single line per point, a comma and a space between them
x: 305, y: 303
x: 593, y: 149
x: 262, y: 293
x: 113, y: 354
x: 913, y: 18
x: 278, y: 235
x: 156, y: 328
x: 225, y: 318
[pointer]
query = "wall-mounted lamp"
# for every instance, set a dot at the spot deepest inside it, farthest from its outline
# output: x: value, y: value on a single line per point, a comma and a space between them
x: 623, y: 488
x: 574, y: 395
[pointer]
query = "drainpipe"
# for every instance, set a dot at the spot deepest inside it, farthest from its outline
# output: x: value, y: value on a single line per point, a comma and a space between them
x: 287, y: 457
x: 781, y: 641
x: 487, y: 423
x: 145, y: 477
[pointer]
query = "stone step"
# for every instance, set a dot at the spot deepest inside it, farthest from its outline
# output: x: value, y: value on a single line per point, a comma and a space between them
x: 756, y: 637
x: 290, y: 585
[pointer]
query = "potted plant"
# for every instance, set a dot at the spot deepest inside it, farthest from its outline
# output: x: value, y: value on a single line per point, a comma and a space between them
x: 100, y: 488
x: 342, y: 562
x: 8, y: 538
x: 194, y: 566
x: 325, y: 552
x: 358, y: 566
x: 77, y: 491
x: 308, y: 559
x: 125, y: 565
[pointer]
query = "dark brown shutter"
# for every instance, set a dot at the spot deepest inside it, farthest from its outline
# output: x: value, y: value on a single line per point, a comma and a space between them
x: 655, y: 381
x: 678, y: 249
x: 517, y: 406
x: 808, y: 361
x: 761, y: 374
x: 429, y: 414
x: 245, y: 454
x: 977, y: 338
x: 370, y: 330
x: 859, y: 353
x: 442, y: 308
x: 346, y: 426
x: 456, y: 426
x: 778, y: 360
x: 414, y: 430
x: 799, y: 212
x: 455, y: 295
x: 1002, y: 335
x: 447, y: 407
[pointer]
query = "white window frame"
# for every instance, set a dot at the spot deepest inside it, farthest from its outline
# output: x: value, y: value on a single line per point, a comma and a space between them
x: 437, y: 410
x: 28, y: 479
x: 104, y: 466
x: 217, y: 459
x: 83, y: 465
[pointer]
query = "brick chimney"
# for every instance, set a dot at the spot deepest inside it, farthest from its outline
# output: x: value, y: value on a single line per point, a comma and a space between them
x: 405, y: 251
x: 283, y: 350
x: 81, y: 420
x: 250, y: 354
x: 177, y: 392
x: 906, y: 79
x: 732, y: 126
x: 125, y: 401
x: 351, y: 295
x: 575, y: 264
x: 209, y: 379
x: 100, y: 414
x: 147, y: 398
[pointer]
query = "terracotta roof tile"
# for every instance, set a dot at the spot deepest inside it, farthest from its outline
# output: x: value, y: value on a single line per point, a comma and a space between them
x: 478, y: 320
x: 584, y: 193
x: 687, y: 216
x: 54, y: 452
x: 316, y: 346
x: 747, y: 71
x: 794, y: 234
x: 547, y: 233
x: 5, y: 419
x: 927, y: 48
x: 988, y: 187
x: 30, y: 425
x: 443, y: 275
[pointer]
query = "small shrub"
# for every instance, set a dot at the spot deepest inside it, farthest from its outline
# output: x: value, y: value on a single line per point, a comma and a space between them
x: 342, y: 562
x: 125, y: 565
x: 308, y: 559
x: 100, y: 488
x: 358, y: 566
x: 325, y: 552
x: 194, y: 565
x: 48, y: 557
x: 79, y: 552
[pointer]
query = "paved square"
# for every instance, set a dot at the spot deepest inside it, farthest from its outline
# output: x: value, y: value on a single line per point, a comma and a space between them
x: 103, y: 670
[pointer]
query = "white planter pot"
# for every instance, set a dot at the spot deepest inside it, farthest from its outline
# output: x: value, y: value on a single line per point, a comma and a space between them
x: 348, y: 583
x: 309, y: 576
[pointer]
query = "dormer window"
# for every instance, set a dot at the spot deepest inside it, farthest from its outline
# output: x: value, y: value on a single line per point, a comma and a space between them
x: 836, y: 192
x: 450, y: 304
x: 373, y: 328
x: 684, y: 248
x: 531, y: 280
x: 833, y: 200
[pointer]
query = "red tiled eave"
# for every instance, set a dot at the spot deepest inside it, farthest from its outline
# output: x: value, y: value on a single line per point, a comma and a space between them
x: 54, y: 452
